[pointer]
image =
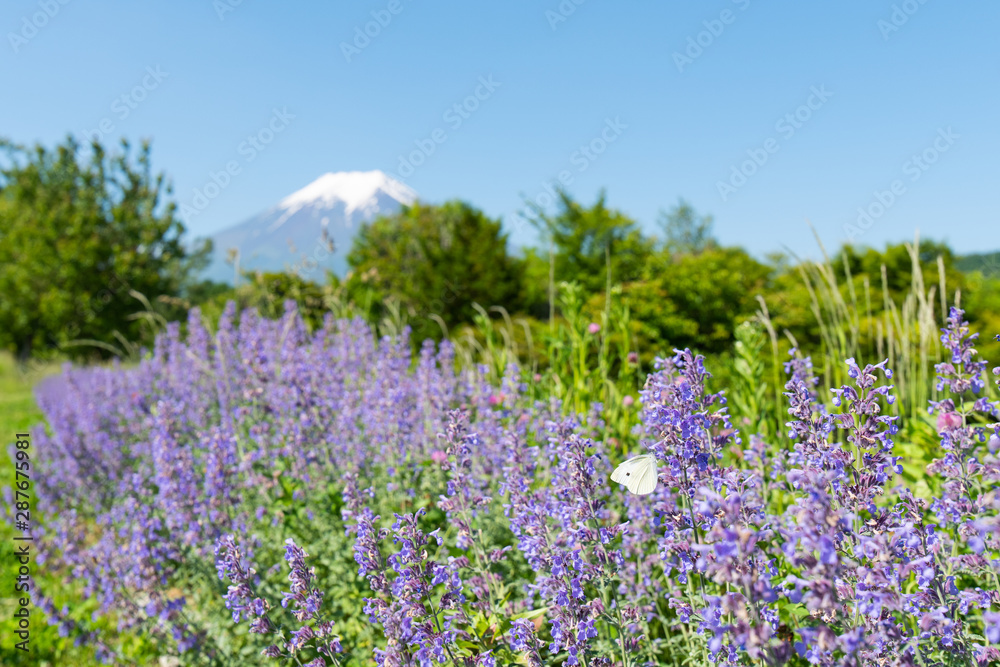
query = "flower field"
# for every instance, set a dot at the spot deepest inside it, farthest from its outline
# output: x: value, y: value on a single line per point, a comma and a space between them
x: 266, y: 494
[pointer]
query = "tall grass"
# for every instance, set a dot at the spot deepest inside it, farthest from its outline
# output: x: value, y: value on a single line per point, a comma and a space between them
x: 905, y: 333
x: 854, y: 318
x: 565, y: 358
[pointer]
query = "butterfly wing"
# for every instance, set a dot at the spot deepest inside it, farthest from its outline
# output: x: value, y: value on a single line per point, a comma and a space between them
x: 639, y: 472
x: 624, y: 472
x: 645, y: 480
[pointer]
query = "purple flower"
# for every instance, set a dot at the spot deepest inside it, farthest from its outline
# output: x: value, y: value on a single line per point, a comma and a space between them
x: 992, y: 621
x: 499, y: 509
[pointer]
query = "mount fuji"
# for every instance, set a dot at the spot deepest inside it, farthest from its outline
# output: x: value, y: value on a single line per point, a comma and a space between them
x: 310, y: 230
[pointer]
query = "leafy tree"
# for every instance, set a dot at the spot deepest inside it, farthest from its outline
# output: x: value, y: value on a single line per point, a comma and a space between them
x: 80, y: 235
x: 201, y: 292
x: 535, y: 282
x: 899, y: 265
x: 844, y: 296
x: 981, y: 299
x: 267, y: 292
x: 694, y: 300
x: 656, y: 323
x: 434, y: 261
x: 586, y: 241
x: 716, y: 289
x: 986, y: 263
x: 686, y: 231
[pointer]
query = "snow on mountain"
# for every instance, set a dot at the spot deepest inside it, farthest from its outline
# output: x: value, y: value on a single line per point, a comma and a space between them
x: 310, y: 230
x: 359, y: 190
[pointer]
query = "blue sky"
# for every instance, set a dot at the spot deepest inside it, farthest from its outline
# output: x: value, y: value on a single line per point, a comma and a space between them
x: 833, y: 100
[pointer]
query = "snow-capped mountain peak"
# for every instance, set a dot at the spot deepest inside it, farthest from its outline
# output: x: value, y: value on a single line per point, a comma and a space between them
x: 311, y: 229
x: 358, y: 190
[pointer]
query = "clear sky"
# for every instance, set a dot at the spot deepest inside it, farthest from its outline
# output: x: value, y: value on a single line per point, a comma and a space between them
x: 833, y: 100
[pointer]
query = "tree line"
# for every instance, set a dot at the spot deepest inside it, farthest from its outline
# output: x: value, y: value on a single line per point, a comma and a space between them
x: 94, y: 259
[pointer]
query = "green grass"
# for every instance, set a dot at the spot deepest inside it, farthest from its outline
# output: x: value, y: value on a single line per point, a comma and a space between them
x: 17, y: 401
x: 20, y: 414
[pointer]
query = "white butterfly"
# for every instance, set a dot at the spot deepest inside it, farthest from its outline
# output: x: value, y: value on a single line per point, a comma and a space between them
x: 638, y: 474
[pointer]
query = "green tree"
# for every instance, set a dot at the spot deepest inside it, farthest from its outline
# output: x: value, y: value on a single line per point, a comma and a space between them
x: 899, y: 265
x: 694, y: 301
x: 686, y: 231
x: 853, y: 277
x: 434, y: 261
x: 987, y: 264
x: 80, y: 234
x: 534, y: 295
x: 586, y: 242
x: 267, y: 292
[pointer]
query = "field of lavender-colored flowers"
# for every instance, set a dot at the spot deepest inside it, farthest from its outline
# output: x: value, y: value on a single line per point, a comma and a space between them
x: 266, y: 494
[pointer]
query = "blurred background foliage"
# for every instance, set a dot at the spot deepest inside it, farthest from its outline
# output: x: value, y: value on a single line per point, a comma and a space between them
x: 95, y: 261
